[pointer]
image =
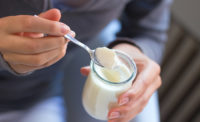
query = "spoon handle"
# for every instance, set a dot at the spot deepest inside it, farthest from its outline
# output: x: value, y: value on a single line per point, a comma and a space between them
x: 75, y: 41
x: 91, y: 52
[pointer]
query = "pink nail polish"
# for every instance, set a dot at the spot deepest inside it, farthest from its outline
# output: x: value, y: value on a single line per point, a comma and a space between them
x: 124, y: 101
x: 64, y: 28
x: 114, y: 115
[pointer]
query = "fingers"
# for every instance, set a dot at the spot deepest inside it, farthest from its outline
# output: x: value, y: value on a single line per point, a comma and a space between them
x: 21, y: 68
x: 85, y: 70
x: 32, y: 60
x: 116, y: 113
x: 148, y: 73
x: 52, y: 14
x: 130, y: 110
x: 72, y: 33
x: 25, y: 45
x: 27, y: 23
x: 62, y: 54
x: 141, y: 83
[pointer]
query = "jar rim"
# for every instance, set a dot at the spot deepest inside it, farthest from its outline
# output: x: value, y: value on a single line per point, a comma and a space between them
x: 128, y: 59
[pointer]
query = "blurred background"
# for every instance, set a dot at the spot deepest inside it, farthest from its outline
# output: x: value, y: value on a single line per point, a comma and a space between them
x: 180, y: 92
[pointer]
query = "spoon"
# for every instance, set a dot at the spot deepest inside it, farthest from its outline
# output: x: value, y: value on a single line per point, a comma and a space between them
x: 90, y: 51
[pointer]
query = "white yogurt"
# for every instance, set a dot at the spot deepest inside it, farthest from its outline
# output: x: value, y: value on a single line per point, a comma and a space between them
x: 104, y: 85
x: 106, y: 57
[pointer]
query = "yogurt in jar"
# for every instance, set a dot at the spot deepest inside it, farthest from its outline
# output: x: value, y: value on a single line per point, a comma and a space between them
x: 105, y: 84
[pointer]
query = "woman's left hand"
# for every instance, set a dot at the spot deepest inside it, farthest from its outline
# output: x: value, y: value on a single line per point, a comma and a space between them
x: 146, y: 83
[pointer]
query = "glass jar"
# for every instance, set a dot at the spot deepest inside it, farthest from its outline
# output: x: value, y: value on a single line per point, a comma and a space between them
x: 100, y: 94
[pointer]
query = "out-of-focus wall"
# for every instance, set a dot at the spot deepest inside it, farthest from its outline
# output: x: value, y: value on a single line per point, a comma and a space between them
x: 180, y: 92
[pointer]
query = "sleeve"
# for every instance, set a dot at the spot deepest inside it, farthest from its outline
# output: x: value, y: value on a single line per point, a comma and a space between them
x: 144, y: 23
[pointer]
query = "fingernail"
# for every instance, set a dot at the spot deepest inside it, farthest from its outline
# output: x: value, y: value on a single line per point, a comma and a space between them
x: 114, y: 115
x: 72, y: 33
x: 124, y: 101
x: 64, y: 28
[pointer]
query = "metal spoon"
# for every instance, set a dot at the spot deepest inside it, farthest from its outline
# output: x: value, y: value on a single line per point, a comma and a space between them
x: 90, y: 51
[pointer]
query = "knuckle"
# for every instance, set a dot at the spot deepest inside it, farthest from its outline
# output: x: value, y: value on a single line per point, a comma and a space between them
x: 132, y: 94
x: 145, y: 83
x: 156, y: 67
x: 159, y: 84
x: 63, y: 52
x: 38, y: 60
x: 159, y: 68
x: 159, y: 81
x: 33, y: 47
x: 53, y: 27
x: 127, y: 109
x: 27, y: 22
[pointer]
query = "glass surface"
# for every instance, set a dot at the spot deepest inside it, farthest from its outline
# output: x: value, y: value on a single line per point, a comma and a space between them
x: 100, y: 94
x: 125, y: 59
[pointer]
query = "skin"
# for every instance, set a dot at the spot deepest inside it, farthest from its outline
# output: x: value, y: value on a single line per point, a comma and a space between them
x: 148, y: 80
x: 23, y: 44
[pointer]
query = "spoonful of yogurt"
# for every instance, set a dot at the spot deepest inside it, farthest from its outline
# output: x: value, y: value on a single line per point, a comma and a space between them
x: 98, y: 55
x: 106, y: 57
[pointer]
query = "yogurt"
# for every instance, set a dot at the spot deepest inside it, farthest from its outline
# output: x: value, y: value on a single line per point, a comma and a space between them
x: 105, y: 84
x: 106, y: 57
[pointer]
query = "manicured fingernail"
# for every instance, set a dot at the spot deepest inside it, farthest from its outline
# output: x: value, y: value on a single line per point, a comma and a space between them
x: 72, y: 33
x: 64, y: 28
x: 124, y: 101
x: 114, y: 115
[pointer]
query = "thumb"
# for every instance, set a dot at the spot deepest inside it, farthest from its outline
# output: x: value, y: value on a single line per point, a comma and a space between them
x: 52, y: 14
x: 85, y: 70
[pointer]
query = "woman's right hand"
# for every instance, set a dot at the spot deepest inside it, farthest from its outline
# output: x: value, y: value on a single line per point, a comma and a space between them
x: 23, y: 45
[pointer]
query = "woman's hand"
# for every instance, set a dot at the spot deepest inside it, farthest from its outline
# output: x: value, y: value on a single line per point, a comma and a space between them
x: 146, y: 83
x: 22, y: 41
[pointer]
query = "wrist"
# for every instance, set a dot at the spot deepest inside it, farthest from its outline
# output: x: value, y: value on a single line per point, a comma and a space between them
x: 123, y: 40
x: 127, y: 48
